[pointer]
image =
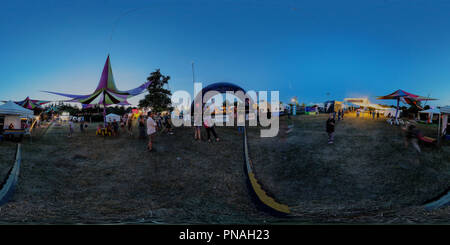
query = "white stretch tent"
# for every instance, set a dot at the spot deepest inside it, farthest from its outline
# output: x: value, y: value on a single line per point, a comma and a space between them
x: 430, y: 113
x: 364, y: 102
x: 391, y: 111
x: 111, y: 117
x: 13, y: 113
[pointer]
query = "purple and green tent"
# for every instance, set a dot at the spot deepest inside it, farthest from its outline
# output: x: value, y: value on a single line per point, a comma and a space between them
x: 30, y: 104
x: 106, y: 93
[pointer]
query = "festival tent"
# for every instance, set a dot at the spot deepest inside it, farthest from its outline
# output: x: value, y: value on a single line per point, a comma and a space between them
x: 111, y: 117
x: 408, y: 98
x: 333, y: 106
x: 31, y: 104
x: 13, y: 114
x: 106, y: 93
x: 364, y: 102
x: 391, y: 111
x: 430, y: 112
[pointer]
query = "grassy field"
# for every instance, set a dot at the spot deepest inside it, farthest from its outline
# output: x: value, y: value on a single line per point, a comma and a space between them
x: 367, y: 176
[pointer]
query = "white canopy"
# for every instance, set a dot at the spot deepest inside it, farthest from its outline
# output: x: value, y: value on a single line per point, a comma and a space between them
x: 11, y: 108
x: 445, y: 110
x: 364, y: 102
x: 431, y: 111
x: 111, y: 117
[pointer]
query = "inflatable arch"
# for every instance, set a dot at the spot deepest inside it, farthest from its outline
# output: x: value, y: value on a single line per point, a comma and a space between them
x: 259, y: 195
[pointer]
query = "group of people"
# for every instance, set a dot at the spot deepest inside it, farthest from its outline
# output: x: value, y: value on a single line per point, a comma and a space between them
x: 373, y: 114
x: 209, y: 127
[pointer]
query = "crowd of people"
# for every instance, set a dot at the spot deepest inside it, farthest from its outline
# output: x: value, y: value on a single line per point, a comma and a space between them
x: 148, y: 125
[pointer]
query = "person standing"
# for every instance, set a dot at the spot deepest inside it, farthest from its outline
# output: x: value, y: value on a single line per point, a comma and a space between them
x: 330, y: 129
x: 81, y: 126
x: 115, y: 125
x: 151, y: 130
x: 130, y: 125
x: 141, y: 127
x: 209, y: 126
x: 70, y: 128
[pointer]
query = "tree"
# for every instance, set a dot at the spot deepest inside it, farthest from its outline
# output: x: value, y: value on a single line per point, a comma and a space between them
x: 158, y: 98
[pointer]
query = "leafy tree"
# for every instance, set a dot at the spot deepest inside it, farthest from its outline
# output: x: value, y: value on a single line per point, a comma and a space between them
x: 158, y: 98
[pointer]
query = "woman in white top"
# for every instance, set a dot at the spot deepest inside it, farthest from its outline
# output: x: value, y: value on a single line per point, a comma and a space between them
x: 151, y: 130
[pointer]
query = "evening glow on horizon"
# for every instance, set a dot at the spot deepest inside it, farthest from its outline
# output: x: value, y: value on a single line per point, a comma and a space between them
x: 314, y: 50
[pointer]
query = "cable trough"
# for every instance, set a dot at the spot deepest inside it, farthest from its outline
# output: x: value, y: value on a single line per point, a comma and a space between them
x: 9, y: 184
x: 261, y: 198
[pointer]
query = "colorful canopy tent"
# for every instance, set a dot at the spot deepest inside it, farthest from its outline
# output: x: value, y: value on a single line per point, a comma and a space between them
x: 52, y: 109
x: 106, y: 93
x: 31, y: 104
x: 430, y: 113
x: 408, y: 98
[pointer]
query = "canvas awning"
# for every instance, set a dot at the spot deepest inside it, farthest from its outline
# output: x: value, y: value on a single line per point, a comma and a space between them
x: 11, y: 108
x: 431, y: 111
x: 445, y: 110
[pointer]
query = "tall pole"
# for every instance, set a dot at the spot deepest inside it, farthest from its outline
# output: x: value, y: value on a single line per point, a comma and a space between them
x: 104, y: 113
x: 396, y: 112
x: 439, y: 129
x: 193, y: 76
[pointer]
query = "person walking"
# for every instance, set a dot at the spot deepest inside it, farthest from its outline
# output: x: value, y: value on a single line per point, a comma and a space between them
x: 412, y: 136
x: 130, y: 125
x: 151, y: 130
x: 330, y: 129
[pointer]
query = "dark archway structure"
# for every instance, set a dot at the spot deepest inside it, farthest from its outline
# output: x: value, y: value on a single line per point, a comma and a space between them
x: 222, y: 88
x: 258, y: 194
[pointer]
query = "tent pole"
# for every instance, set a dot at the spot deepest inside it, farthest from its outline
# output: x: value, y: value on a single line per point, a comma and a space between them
x: 104, y: 114
x: 396, y: 112
x: 439, y: 130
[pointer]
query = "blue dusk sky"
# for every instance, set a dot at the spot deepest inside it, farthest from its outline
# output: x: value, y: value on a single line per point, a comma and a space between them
x: 315, y: 50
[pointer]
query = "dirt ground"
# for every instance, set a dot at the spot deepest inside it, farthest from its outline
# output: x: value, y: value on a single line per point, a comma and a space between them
x: 366, y: 176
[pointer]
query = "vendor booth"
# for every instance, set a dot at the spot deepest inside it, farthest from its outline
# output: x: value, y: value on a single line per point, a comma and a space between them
x: 14, y: 118
x: 112, y: 117
x: 429, y: 115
